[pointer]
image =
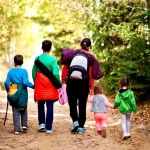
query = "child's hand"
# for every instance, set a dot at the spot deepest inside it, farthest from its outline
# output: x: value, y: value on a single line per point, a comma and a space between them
x: 90, y: 93
x: 90, y: 99
x: 114, y: 111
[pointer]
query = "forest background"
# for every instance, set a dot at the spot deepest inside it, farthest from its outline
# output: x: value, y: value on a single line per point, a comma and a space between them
x: 119, y: 30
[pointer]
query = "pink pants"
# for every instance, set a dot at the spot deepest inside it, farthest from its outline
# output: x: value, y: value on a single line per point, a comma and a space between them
x: 101, y: 120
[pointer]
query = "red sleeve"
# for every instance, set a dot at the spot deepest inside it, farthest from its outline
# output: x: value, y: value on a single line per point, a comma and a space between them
x: 91, y: 78
x: 64, y: 73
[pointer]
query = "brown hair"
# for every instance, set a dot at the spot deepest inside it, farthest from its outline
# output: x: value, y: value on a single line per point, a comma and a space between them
x: 18, y: 59
x: 124, y: 82
x: 85, y: 43
x: 46, y: 45
x: 98, y: 89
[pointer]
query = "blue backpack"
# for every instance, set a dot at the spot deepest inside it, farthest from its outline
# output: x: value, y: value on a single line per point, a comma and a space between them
x: 79, y: 66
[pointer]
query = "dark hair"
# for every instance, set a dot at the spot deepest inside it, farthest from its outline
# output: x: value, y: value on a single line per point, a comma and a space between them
x: 86, y: 43
x: 46, y: 45
x: 98, y: 89
x: 124, y: 82
x: 18, y: 59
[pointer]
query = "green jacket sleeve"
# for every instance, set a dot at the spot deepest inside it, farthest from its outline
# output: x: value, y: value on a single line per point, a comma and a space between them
x: 34, y: 68
x: 133, y: 102
x: 117, y: 101
x: 56, y: 70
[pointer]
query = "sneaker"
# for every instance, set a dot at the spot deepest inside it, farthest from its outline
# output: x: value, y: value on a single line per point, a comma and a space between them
x: 41, y: 128
x: 80, y: 130
x: 103, y: 133
x: 129, y: 135
x: 75, y: 126
x: 17, y: 133
x: 99, y: 132
x: 49, y: 131
x: 24, y: 128
x: 124, y: 137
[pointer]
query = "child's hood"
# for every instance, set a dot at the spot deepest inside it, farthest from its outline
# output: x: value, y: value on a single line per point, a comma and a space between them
x: 125, y: 95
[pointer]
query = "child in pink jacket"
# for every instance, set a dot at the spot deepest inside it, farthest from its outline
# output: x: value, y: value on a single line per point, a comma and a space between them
x: 100, y: 106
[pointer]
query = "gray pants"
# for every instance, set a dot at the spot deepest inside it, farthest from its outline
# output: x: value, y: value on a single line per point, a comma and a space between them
x: 125, y: 118
x: 17, y: 116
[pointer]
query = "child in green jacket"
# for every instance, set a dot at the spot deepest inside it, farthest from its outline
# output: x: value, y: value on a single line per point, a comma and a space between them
x: 125, y: 100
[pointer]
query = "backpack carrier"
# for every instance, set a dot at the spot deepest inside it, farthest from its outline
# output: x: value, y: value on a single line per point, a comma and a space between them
x: 79, y: 66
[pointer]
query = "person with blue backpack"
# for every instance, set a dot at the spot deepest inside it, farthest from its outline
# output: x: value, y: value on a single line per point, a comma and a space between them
x: 79, y: 71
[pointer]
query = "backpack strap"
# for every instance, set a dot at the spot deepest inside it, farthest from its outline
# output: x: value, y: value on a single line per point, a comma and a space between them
x: 48, y: 73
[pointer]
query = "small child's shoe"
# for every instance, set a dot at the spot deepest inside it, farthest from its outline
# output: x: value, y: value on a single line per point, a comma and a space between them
x: 124, y: 137
x: 103, y: 133
x: 49, y: 131
x: 129, y: 135
x: 99, y: 132
x: 80, y: 130
x: 17, y: 133
x: 24, y: 129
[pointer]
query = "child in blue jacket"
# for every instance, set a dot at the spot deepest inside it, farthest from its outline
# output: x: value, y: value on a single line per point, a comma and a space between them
x: 16, y: 85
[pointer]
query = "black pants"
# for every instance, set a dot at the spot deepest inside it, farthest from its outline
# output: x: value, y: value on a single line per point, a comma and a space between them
x: 77, y: 91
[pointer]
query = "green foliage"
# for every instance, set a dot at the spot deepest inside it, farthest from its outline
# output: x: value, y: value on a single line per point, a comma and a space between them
x: 16, y: 34
x: 11, y: 16
x: 119, y: 30
x: 61, y: 22
x: 120, y: 33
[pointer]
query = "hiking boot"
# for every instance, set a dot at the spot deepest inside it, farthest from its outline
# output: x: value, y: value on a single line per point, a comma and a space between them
x: 75, y: 126
x: 49, y: 131
x: 41, y: 128
x: 80, y: 130
x: 103, y: 133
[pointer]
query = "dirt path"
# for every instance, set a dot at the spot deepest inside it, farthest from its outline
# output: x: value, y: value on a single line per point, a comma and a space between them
x: 62, y: 139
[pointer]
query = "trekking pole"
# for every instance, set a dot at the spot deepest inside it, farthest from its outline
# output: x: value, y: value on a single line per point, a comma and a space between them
x: 6, y: 114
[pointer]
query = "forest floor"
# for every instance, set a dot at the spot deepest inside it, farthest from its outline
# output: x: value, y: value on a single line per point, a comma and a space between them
x: 62, y: 139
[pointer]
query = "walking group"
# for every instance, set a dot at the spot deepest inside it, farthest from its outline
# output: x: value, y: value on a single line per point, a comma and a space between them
x: 80, y: 69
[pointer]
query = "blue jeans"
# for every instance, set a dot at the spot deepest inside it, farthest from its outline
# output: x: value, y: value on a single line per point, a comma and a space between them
x: 49, y: 114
